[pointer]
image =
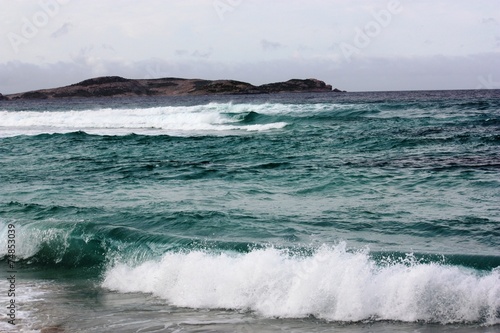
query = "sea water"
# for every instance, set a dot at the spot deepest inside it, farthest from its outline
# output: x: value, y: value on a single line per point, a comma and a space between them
x: 348, y: 212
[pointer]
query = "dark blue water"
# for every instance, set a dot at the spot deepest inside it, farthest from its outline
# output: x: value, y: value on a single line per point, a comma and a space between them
x: 356, y: 212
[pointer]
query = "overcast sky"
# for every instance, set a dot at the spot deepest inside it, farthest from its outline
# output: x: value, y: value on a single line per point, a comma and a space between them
x: 356, y: 45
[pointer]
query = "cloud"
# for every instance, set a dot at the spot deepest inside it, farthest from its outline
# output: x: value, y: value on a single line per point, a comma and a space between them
x: 489, y: 20
x: 108, y: 47
x: 201, y: 54
x: 66, y: 27
x: 181, y: 52
x: 269, y: 45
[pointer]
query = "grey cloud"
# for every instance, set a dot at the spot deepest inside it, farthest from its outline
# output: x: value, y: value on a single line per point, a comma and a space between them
x: 489, y: 20
x: 269, y: 45
x: 195, y: 54
x: 181, y: 52
x: 63, y: 30
x: 108, y: 47
x: 201, y: 54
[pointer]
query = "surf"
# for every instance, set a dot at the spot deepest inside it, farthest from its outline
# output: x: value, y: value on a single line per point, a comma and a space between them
x: 332, y: 283
x: 162, y: 120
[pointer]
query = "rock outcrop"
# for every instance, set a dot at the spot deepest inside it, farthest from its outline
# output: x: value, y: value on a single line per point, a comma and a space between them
x: 116, y: 86
x: 295, y: 85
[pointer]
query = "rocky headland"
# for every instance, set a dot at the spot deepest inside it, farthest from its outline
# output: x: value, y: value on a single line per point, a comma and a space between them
x: 116, y: 86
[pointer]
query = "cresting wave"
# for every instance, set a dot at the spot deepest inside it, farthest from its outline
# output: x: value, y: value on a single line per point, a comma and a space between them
x: 332, y: 284
x: 212, y: 117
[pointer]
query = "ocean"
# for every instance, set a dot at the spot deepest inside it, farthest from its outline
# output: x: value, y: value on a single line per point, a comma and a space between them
x: 326, y: 212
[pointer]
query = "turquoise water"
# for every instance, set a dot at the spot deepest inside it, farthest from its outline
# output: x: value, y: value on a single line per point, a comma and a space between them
x: 356, y: 212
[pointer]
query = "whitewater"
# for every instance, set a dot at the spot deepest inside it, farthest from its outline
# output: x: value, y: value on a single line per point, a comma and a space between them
x: 147, y: 121
x: 331, y: 284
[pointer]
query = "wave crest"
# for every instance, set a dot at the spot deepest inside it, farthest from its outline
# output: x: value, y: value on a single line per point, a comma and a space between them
x: 332, y: 284
x: 169, y: 120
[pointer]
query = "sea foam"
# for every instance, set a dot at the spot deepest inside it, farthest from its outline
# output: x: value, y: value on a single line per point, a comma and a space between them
x: 168, y: 120
x: 332, y: 284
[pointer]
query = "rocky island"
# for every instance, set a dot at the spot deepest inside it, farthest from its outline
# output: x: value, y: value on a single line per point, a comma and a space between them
x: 116, y: 86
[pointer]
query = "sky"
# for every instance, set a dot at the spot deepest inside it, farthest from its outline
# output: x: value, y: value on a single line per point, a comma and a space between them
x: 354, y: 45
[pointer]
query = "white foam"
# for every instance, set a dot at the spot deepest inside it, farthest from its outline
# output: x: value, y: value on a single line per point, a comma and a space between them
x: 212, y: 117
x: 333, y: 284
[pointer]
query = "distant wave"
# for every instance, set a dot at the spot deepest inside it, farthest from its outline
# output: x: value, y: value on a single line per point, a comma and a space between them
x: 222, y: 118
x: 177, y: 120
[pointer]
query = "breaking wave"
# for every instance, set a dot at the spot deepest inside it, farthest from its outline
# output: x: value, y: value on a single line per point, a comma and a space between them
x: 332, y: 284
x: 164, y: 120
